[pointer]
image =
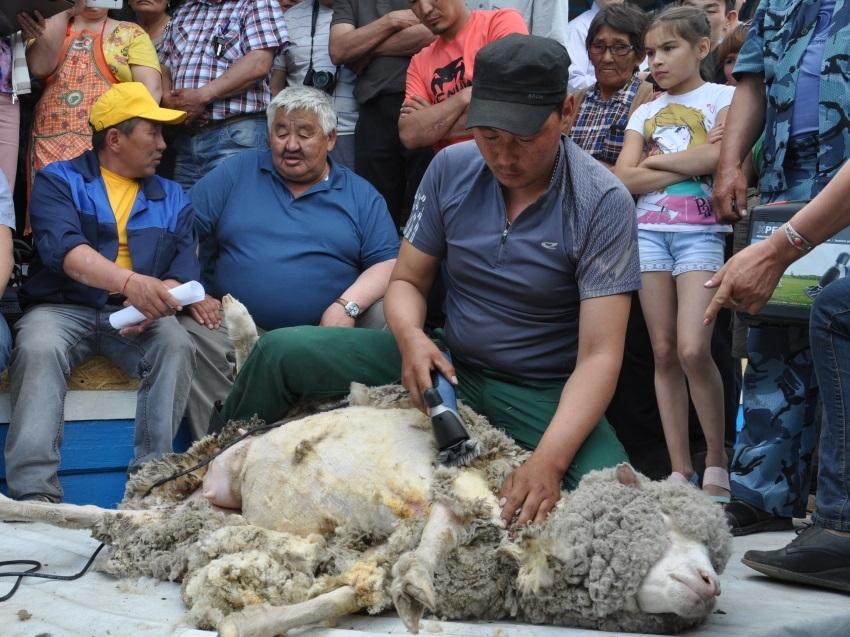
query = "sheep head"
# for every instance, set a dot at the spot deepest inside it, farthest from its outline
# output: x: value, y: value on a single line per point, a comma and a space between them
x: 623, y: 553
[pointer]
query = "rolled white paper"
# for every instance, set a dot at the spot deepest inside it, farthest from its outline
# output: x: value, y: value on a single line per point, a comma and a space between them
x: 188, y: 293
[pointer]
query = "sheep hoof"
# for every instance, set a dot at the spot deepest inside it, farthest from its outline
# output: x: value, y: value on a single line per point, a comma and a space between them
x: 412, y: 592
x: 241, y: 328
x: 409, y: 610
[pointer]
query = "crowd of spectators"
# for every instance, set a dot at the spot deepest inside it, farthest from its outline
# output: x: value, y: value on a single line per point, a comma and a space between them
x: 305, y: 131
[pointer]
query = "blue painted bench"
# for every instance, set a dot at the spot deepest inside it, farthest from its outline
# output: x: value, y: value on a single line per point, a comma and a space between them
x: 97, y: 445
x: 98, y: 438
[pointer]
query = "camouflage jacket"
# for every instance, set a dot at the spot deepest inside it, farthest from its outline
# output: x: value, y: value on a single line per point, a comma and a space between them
x: 775, y: 45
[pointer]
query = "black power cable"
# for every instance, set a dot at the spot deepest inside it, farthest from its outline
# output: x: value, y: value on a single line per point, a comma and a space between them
x: 37, y: 565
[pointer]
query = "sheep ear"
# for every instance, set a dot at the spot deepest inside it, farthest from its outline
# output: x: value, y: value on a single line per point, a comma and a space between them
x: 626, y: 476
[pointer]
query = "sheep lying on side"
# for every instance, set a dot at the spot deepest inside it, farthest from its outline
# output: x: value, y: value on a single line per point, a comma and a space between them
x: 345, y: 510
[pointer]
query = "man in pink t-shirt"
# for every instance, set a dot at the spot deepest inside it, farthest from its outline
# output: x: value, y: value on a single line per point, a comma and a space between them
x: 439, y: 78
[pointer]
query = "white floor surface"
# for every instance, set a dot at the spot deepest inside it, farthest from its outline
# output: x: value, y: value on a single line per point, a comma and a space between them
x: 98, y: 605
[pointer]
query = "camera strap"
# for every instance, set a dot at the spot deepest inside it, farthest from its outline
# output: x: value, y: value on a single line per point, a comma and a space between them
x: 313, y: 34
x: 313, y: 29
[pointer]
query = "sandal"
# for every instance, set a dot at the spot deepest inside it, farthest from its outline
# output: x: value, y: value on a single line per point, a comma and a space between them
x: 744, y: 518
x: 717, y: 477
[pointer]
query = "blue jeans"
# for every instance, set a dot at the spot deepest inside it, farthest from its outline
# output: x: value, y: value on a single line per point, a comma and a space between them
x: 50, y: 339
x: 5, y: 344
x: 830, y: 339
x: 198, y: 154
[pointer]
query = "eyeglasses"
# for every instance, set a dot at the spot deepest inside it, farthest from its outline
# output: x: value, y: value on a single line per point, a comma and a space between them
x: 620, y: 50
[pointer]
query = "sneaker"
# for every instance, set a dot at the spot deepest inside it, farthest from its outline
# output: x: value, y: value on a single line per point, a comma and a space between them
x: 744, y: 518
x: 816, y: 557
x: 35, y: 498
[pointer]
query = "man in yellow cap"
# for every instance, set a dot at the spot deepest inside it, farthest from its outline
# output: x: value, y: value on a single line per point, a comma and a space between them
x: 107, y: 230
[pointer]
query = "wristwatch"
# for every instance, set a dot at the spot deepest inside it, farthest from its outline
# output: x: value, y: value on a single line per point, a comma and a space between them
x: 351, y: 308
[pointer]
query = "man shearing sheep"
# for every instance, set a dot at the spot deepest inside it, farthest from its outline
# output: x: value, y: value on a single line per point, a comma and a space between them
x: 538, y: 269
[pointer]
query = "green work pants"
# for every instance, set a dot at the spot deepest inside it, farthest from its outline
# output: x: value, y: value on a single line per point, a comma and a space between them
x: 523, y: 408
x: 306, y: 363
x: 319, y: 363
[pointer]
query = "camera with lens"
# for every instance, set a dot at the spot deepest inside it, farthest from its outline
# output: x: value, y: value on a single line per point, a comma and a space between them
x: 322, y: 80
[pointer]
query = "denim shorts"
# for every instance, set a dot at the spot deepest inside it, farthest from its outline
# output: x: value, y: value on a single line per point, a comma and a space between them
x: 679, y: 252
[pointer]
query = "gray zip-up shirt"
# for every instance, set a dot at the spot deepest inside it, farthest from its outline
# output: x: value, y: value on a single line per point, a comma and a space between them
x: 513, y: 294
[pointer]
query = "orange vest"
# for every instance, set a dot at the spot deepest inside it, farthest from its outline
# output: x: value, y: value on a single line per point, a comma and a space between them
x: 61, y: 125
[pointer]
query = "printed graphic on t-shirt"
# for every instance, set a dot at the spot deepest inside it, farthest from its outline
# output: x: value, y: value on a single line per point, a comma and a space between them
x: 415, y: 216
x: 675, y: 128
x: 448, y: 80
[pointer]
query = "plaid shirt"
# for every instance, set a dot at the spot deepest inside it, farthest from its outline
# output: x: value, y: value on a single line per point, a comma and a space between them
x: 5, y: 64
x: 189, y: 49
x: 601, y: 124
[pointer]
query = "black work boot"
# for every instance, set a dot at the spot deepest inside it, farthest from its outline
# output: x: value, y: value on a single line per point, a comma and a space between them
x: 816, y: 557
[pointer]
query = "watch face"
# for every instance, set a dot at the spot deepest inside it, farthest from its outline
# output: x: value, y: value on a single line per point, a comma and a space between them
x: 352, y: 309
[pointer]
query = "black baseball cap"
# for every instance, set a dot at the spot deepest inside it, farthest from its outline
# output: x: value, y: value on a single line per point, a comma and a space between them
x: 516, y: 82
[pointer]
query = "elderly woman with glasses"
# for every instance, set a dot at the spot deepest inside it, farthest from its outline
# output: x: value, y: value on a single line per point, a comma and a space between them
x: 615, y: 47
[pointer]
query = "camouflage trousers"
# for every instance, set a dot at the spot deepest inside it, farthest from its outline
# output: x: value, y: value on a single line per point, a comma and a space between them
x: 772, y: 466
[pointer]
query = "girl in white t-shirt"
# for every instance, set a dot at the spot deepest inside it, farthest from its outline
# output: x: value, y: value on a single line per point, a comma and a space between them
x: 669, y: 158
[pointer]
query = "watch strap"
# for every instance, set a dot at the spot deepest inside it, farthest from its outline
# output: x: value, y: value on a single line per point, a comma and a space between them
x: 351, y: 308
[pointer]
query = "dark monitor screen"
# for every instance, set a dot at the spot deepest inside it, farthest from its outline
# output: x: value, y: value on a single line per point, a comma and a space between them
x: 791, y: 301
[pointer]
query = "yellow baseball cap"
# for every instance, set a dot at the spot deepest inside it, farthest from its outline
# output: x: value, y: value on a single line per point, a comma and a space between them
x: 127, y: 100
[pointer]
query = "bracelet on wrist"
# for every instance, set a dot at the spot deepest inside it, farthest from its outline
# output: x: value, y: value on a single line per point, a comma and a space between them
x: 797, y: 240
x: 124, y: 289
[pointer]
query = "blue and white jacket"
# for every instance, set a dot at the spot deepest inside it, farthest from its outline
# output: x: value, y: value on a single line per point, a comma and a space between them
x: 69, y: 207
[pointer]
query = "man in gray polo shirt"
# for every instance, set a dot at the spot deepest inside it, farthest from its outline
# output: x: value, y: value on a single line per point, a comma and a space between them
x: 537, y: 244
